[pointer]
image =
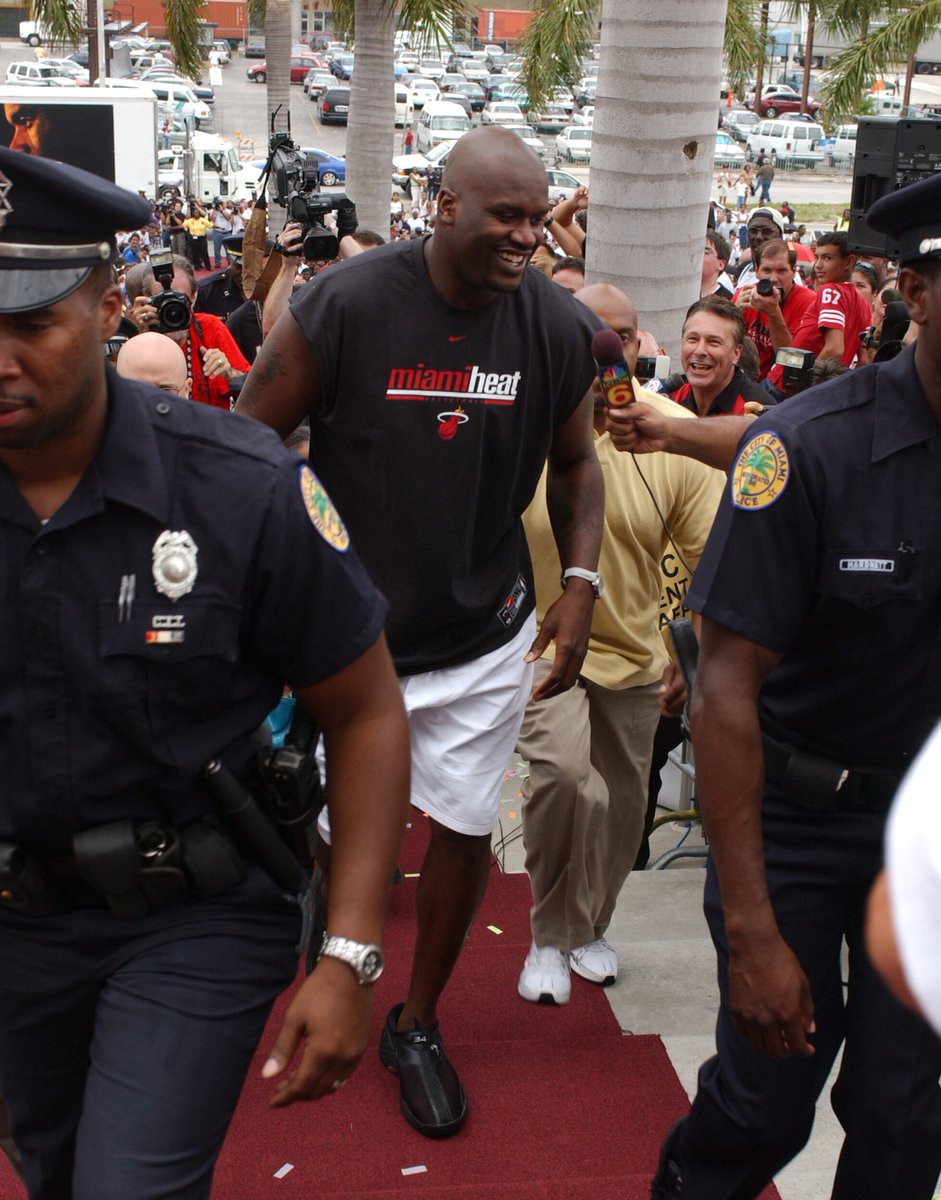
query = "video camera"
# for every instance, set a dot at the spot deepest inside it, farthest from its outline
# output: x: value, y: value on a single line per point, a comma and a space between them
x: 173, y: 308
x: 294, y: 181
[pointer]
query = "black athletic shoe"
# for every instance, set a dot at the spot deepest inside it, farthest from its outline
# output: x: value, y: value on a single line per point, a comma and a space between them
x: 668, y: 1181
x: 431, y: 1095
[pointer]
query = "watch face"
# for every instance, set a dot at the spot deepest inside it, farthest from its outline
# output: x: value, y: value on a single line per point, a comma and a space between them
x: 372, y: 965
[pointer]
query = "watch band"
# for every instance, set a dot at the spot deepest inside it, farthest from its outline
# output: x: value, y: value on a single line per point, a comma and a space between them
x: 365, y: 958
x: 592, y: 577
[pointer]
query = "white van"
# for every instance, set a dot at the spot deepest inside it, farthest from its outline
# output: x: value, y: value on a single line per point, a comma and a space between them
x: 842, y: 145
x: 790, y: 142
x: 440, y: 121
x: 403, y: 108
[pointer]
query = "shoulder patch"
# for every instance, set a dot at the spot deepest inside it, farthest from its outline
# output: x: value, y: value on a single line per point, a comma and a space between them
x: 323, y: 516
x: 761, y: 472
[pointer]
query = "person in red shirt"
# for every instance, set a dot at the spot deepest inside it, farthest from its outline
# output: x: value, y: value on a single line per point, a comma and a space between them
x: 213, y: 359
x: 841, y: 314
x: 772, y: 321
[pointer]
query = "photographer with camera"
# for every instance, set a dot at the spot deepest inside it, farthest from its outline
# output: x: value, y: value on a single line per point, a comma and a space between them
x: 773, y: 307
x: 221, y: 228
x: 165, y: 305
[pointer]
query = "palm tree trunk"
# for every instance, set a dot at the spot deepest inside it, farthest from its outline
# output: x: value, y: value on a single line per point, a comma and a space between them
x: 763, y: 38
x: 808, y: 52
x: 370, y: 138
x: 652, y: 159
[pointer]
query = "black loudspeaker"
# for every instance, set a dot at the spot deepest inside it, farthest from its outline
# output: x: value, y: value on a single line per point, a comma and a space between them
x: 889, y: 154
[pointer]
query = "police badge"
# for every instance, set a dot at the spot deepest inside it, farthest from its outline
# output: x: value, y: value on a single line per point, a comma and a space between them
x: 174, y: 563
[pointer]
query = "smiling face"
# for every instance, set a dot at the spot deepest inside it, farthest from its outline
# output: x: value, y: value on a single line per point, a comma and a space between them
x: 709, y: 352
x: 486, y: 233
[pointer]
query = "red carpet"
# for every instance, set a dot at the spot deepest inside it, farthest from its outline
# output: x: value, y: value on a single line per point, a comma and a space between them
x: 562, y: 1106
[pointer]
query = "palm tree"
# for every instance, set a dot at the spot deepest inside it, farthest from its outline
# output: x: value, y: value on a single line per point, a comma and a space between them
x: 654, y: 135
x: 873, y: 53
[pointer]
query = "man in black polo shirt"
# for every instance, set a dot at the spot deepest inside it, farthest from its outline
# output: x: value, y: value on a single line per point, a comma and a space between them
x: 714, y: 385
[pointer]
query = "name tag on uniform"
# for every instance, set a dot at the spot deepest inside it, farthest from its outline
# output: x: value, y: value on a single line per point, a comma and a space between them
x: 868, y: 565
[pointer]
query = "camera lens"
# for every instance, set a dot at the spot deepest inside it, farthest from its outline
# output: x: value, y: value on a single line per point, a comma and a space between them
x: 174, y: 311
x: 764, y: 287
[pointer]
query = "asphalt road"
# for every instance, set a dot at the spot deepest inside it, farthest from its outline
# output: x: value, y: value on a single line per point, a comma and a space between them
x: 240, y: 108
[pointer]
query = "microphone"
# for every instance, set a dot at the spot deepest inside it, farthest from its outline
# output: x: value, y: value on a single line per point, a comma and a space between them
x: 614, y: 374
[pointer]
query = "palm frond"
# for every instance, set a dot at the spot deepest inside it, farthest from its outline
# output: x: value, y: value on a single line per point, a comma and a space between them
x: 852, y: 18
x: 852, y: 72
x: 435, y: 18
x: 344, y: 17
x: 62, y: 18
x: 182, y: 17
x: 257, y: 13
x: 743, y: 48
x: 556, y: 37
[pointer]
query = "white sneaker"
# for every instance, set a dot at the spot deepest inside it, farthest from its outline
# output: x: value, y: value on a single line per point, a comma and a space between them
x: 596, y: 962
x: 545, y: 977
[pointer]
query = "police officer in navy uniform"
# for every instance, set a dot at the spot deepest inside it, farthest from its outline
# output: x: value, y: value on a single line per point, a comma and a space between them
x: 819, y: 679
x: 164, y: 570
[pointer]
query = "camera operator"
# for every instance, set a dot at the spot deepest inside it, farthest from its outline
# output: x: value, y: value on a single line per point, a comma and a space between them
x: 213, y: 360
x: 773, y: 307
x: 222, y: 226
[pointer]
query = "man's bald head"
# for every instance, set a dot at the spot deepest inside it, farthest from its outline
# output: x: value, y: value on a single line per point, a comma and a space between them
x: 154, y: 358
x: 491, y: 218
x: 617, y: 311
x: 486, y: 156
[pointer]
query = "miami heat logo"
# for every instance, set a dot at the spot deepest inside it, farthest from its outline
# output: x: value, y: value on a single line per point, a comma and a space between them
x: 448, y: 423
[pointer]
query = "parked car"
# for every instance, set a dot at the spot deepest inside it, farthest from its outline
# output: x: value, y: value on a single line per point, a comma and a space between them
x: 455, y: 97
x: 472, y: 92
x: 728, y: 152
x: 333, y: 107
x: 841, y: 145
x: 767, y: 90
x: 794, y: 142
x: 574, y: 143
x: 584, y: 116
x: 421, y: 89
x: 529, y: 136
x: 432, y: 68
x: 502, y: 112
x: 316, y: 82
x: 738, y: 123
x: 69, y: 68
x: 300, y: 65
x: 200, y: 91
x: 342, y: 65
x: 332, y: 169
x: 550, y: 119
x: 562, y: 184
x: 779, y: 102
x: 43, y: 72
x: 224, y: 51
x: 254, y: 47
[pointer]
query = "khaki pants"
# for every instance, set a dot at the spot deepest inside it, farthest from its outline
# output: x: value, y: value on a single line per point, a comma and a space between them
x: 583, y: 813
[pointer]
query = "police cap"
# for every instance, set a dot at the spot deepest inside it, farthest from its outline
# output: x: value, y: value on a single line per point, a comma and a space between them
x: 911, y: 216
x: 56, y: 224
x: 233, y: 245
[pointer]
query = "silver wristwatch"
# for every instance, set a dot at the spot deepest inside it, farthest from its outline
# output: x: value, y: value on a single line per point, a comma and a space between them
x: 592, y: 577
x: 365, y: 959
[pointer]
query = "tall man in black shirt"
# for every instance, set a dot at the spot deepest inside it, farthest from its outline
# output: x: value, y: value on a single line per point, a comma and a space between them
x: 434, y: 428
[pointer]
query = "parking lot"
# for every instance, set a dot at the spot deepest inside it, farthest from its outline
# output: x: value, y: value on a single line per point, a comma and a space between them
x: 239, y: 114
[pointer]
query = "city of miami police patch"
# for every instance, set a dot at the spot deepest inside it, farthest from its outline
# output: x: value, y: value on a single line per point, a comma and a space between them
x: 324, y: 517
x: 761, y: 472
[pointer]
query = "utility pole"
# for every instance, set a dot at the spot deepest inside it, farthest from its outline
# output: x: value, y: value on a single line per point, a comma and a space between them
x: 763, y: 38
x: 808, y: 52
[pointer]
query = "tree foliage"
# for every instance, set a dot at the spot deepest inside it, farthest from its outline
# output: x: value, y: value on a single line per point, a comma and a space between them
x: 890, y: 45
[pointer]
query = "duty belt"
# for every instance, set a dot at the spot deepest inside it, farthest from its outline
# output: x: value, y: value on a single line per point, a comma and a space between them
x: 822, y: 785
x: 132, y: 866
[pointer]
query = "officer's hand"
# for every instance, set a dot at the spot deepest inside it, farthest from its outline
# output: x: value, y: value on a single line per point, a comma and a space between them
x: 143, y: 314
x: 673, y: 691
x: 637, y: 427
x: 215, y: 364
x: 332, y: 1012
x: 568, y: 624
x: 769, y: 996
